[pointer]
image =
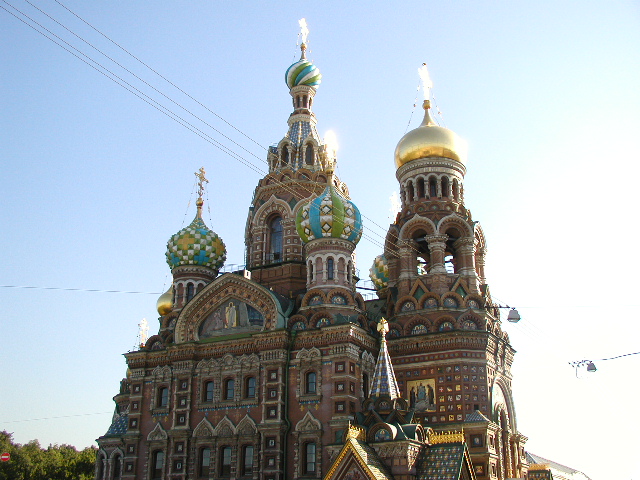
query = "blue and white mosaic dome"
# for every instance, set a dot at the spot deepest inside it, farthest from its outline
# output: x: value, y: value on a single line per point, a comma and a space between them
x: 329, y: 215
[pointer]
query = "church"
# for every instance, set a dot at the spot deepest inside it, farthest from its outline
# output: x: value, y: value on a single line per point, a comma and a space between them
x: 282, y: 370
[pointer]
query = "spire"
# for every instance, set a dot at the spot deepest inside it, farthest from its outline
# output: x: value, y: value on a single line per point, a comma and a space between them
x: 384, y: 378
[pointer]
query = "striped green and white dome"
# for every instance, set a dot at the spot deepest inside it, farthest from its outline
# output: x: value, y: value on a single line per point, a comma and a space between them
x: 196, y: 244
x: 329, y: 215
x: 303, y: 72
x: 379, y: 272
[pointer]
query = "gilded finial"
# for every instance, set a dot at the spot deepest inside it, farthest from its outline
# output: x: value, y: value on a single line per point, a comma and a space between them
x: 200, y: 174
x: 383, y: 327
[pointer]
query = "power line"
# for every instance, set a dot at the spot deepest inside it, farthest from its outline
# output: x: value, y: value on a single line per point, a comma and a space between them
x: 175, y: 116
x: 94, y: 290
x: 54, y: 418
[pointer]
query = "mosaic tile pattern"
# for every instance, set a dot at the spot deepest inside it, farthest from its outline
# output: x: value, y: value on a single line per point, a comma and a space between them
x: 329, y: 215
x: 379, y: 272
x: 384, y: 378
x: 442, y: 462
x: 119, y: 426
x: 196, y: 245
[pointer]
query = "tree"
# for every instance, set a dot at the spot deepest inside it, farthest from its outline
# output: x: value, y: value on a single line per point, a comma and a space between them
x: 57, y: 462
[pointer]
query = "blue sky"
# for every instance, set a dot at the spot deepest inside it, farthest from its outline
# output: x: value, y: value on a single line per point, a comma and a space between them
x: 95, y: 181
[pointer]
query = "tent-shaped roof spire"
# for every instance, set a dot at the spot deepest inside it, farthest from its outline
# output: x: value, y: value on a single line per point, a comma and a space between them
x: 384, y: 378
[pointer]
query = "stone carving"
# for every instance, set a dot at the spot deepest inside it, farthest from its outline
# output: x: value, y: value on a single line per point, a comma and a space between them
x: 158, y: 433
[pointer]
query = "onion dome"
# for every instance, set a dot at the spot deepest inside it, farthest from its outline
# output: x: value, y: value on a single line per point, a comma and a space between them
x: 379, y: 272
x: 164, y: 304
x: 196, y: 244
x: 329, y: 215
x: 430, y: 140
x: 303, y: 72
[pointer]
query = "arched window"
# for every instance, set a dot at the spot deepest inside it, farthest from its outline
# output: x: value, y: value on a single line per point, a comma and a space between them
x: 433, y: 190
x: 310, y: 270
x: 208, y: 392
x: 276, y: 239
x: 225, y: 461
x: 308, y: 155
x: 163, y: 397
x: 365, y: 385
x: 330, y: 268
x: 247, y: 460
x: 190, y: 291
x: 445, y: 187
x: 204, y: 462
x: 101, y: 467
x: 309, y: 458
x: 311, y: 382
x: 284, y: 158
x: 117, y: 467
x: 229, y: 387
x: 158, y: 463
x: 250, y: 387
x: 456, y: 193
x: 420, y: 185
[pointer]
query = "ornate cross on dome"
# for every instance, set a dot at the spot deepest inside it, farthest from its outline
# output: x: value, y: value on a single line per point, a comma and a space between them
x: 201, y: 181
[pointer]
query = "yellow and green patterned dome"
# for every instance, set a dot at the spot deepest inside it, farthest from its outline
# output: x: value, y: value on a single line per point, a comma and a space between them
x: 196, y: 244
x: 303, y: 72
x: 379, y: 272
x: 329, y: 215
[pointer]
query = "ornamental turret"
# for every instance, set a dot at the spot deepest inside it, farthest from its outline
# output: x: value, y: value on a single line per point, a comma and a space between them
x: 195, y: 254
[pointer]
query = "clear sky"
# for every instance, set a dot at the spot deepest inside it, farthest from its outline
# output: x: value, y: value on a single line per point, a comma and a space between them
x: 94, y: 182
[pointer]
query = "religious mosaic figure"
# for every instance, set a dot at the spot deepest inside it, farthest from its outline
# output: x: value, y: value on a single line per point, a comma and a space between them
x: 230, y: 316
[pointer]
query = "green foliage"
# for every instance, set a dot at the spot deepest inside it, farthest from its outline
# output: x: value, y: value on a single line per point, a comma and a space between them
x: 57, y: 462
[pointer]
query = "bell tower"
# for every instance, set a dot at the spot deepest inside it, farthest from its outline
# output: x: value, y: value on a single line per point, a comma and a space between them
x: 445, y: 337
x: 300, y: 167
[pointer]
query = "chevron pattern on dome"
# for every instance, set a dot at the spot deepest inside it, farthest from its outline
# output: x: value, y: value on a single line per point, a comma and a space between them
x: 329, y: 215
x: 196, y: 244
x: 379, y: 272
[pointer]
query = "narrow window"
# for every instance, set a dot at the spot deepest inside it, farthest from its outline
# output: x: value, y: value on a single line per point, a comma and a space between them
x: 204, y: 462
x: 276, y: 239
x: 250, y: 387
x: 308, y: 156
x: 225, y: 461
x: 365, y: 385
x: 100, y: 467
x: 247, y: 460
x: 421, y: 188
x: 433, y: 191
x: 330, y: 268
x: 117, y: 467
x: 445, y: 187
x: 190, y: 291
x: 158, y: 463
x: 311, y: 271
x: 310, y: 457
x: 208, y: 392
x: 285, y: 155
x: 311, y: 382
x: 229, y: 386
x: 163, y: 397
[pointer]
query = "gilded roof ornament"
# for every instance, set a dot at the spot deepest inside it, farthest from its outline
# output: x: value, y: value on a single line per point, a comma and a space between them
x: 446, y: 437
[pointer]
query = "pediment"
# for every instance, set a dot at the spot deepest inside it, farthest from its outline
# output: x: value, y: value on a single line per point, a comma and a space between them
x: 231, y: 304
x: 308, y: 423
x: 204, y: 429
x: 357, y: 461
x: 158, y: 433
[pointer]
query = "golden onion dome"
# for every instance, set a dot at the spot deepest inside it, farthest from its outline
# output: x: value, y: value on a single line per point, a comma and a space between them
x: 430, y: 140
x: 164, y: 304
